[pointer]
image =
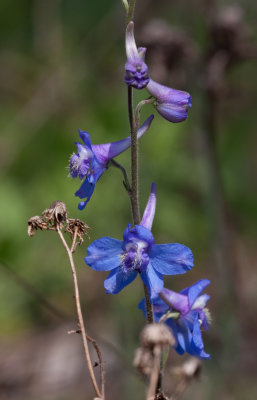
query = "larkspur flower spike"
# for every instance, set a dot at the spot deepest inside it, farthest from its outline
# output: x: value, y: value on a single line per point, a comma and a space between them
x: 138, y: 254
x: 170, y: 103
x: 136, y: 70
x: 185, y: 313
x: 90, y: 161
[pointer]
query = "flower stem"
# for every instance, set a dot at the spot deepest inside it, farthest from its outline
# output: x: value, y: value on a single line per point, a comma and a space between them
x: 79, y: 314
x: 131, y: 9
x: 134, y: 198
x: 134, y: 160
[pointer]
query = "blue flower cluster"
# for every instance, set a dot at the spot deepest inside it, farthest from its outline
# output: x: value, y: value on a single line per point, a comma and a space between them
x: 185, y: 313
x: 138, y: 254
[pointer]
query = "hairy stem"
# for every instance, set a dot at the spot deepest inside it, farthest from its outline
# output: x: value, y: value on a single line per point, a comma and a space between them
x: 134, y: 160
x: 80, y: 317
x: 149, y: 309
x: 134, y: 198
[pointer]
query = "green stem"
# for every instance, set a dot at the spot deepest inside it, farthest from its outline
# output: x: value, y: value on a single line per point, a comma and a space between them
x: 134, y: 160
x: 134, y: 198
x: 131, y: 10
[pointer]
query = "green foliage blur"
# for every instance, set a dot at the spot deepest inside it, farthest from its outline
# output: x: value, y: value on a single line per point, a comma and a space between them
x: 62, y: 70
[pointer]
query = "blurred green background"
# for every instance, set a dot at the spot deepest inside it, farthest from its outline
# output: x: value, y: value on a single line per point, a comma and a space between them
x: 62, y: 70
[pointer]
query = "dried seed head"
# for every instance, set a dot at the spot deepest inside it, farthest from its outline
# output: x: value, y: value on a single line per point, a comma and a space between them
x: 56, y: 213
x: 35, y: 223
x: 156, y: 335
x: 77, y: 226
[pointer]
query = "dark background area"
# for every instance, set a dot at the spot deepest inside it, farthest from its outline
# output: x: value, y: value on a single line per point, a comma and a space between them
x: 62, y: 66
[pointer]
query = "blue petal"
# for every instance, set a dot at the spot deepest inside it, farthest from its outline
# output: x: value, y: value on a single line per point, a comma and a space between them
x: 153, y: 281
x: 171, y: 259
x: 174, y: 328
x: 86, y: 189
x: 193, y: 291
x: 85, y: 136
x: 104, y: 254
x: 117, y: 280
x: 184, y: 337
x: 138, y: 233
x: 197, y: 341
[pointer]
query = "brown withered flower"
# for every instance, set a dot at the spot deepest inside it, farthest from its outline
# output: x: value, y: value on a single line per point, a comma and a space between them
x: 35, y: 223
x: 56, y: 213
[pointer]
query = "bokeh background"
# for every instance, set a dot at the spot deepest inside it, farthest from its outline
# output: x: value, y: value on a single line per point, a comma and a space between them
x: 62, y: 70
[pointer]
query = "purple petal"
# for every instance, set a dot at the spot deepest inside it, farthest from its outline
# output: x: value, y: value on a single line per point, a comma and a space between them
x: 141, y: 52
x: 165, y: 94
x: 172, y: 112
x: 104, y: 254
x: 171, y: 104
x: 153, y: 281
x: 145, y: 126
x: 107, y: 151
x: 136, y: 71
x: 117, y: 280
x: 131, y: 48
x: 74, y: 160
x: 149, y: 212
x: 176, y: 301
x: 171, y: 259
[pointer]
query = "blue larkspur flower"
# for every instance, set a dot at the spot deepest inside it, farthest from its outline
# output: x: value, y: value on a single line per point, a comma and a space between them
x: 90, y: 161
x: 136, y: 70
x: 170, y: 103
x: 138, y: 254
x: 185, y: 313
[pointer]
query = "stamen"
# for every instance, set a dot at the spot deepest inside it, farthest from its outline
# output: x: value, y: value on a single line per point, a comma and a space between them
x: 208, y: 315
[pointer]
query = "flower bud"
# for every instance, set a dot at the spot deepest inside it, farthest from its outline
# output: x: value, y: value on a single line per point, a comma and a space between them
x: 170, y: 103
